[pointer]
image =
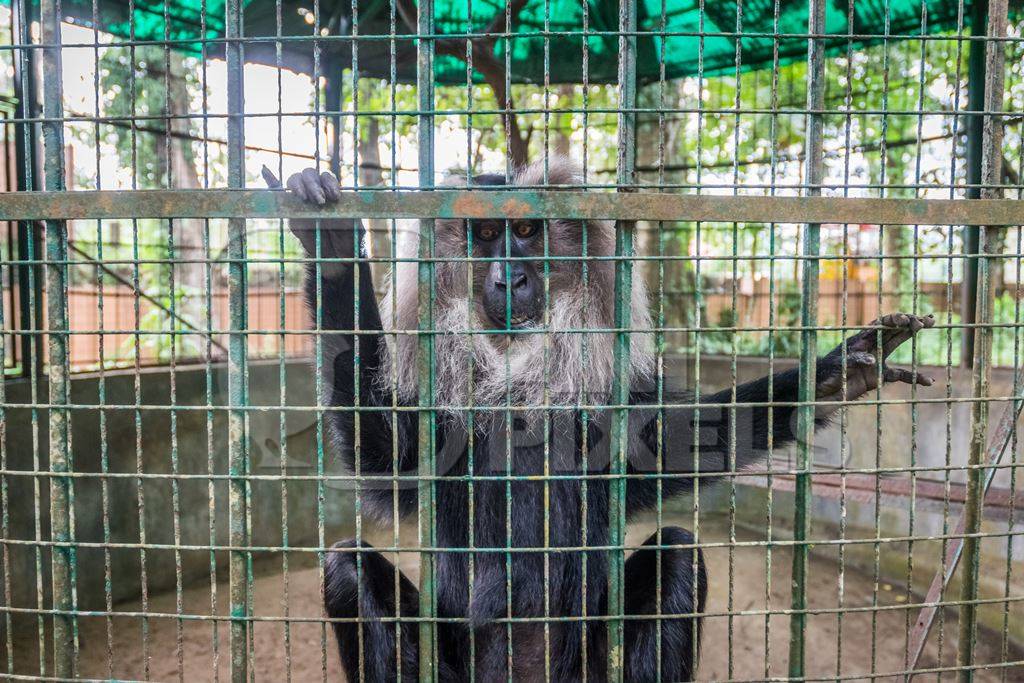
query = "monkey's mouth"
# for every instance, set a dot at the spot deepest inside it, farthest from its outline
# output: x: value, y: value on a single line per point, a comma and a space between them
x: 516, y: 322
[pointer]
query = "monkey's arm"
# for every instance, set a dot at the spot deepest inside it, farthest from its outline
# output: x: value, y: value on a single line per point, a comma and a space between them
x: 336, y: 290
x: 725, y: 434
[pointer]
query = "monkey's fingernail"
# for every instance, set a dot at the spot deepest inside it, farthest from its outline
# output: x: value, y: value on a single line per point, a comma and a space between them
x: 268, y: 176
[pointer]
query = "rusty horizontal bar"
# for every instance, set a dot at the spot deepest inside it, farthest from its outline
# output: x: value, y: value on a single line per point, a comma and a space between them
x: 650, y: 206
x: 862, y: 488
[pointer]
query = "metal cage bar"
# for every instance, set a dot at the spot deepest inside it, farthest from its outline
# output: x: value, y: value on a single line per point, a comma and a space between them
x: 991, y: 166
x: 808, y: 341
x: 641, y: 206
x: 691, y: 196
x: 425, y: 275
x: 624, y: 232
x: 65, y: 640
x: 239, y: 572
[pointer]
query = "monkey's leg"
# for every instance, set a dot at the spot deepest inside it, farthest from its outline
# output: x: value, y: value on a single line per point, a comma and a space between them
x: 369, y: 594
x: 683, y: 592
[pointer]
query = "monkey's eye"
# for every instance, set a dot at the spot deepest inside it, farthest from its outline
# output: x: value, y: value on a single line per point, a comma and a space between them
x: 485, y: 231
x: 525, y: 230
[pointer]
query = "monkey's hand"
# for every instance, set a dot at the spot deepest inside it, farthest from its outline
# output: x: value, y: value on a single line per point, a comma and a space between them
x: 865, y: 352
x: 338, y: 236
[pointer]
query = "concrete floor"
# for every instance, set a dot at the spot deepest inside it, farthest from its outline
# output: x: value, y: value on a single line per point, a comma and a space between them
x: 186, y: 649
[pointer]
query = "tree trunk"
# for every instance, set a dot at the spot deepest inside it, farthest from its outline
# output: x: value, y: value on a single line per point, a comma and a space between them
x: 893, y: 281
x: 370, y: 175
x: 189, y: 275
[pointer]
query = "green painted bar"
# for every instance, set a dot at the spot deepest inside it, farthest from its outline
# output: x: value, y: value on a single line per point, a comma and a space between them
x: 62, y: 557
x: 426, y: 489
x: 625, y: 173
x: 808, y: 344
x: 650, y: 206
x: 238, y: 567
x: 991, y: 170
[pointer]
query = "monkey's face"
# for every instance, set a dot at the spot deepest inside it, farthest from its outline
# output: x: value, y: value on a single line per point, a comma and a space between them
x: 508, y: 278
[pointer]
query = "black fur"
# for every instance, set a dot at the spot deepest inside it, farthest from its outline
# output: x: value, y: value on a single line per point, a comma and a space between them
x: 729, y: 438
x: 682, y: 594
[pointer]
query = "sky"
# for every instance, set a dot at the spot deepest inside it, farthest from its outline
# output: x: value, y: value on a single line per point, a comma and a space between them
x: 298, y: 133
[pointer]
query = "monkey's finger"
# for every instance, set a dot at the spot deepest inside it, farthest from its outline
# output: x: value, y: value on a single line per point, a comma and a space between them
x: 268, y: 176
x: 893, y: 339
x: 906, y: 376
x: 892, y: 325
x: 895, y: 320
x: 914, y: 324
x: 311, y: 181
x: 330, y: 186
x: 860, y: 359
x: 295, y: 185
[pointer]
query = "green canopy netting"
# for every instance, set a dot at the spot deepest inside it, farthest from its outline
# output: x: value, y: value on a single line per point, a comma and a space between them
x: 563, y: 53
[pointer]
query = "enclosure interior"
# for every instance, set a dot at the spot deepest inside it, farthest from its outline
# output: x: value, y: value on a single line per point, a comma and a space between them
x: 780, y: 175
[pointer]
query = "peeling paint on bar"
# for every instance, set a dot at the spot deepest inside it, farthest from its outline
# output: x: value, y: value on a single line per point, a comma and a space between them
x: 992, y: 138
x: 63, y: 560
x: 649, y: 206
x: 811, y: 245
x: 239, y: 565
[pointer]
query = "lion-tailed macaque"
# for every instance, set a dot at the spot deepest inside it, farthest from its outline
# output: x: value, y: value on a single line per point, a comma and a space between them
x: 523, y: 363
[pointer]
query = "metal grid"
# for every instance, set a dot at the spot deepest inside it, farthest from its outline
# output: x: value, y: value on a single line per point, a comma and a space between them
x: 807, y: 184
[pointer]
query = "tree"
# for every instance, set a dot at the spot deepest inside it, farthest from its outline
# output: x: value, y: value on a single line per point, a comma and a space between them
x: 152, y: 82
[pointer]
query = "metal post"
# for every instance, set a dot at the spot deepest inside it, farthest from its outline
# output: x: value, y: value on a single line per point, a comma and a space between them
x: 63, y: 554
x: 625, y: 176
x: 425, y: 322
x: 975, y: 103
x: 992, y: 157
x: 29, y: 301
x: 808, y: 339
x: 238, y: 569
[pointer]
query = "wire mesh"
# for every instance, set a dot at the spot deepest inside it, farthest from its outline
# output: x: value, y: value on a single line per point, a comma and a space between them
x: 775, y: 177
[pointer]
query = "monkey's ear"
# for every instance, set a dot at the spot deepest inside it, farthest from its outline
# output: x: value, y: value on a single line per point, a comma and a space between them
x: 268, y: 176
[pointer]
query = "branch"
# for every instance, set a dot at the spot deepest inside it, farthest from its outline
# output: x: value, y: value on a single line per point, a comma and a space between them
x: 407, y: 12
x: 493, y: 72
x: 484, y: 61
x: 512, y: 10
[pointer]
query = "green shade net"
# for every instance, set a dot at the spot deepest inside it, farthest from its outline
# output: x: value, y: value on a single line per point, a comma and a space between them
x: 723, y: 23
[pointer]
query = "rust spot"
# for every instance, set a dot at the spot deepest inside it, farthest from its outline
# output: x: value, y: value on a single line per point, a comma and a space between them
x: 470, y: 205
x: 516, y: 208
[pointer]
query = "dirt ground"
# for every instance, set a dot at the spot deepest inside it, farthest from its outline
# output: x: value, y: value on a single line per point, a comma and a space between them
x: 196, y: 650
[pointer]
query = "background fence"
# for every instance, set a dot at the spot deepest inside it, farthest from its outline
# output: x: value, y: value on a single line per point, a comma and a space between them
x: 780, y: 173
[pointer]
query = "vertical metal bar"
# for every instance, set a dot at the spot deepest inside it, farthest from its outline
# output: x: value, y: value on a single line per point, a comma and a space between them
x: 948, y: 450
x: 29, y: 306
x: 29, y: 278
x: 990, y: 242
x: 318, y: 345
x: 975, y: 103
x: 108, y: 581
x: 808, y: 337
x: 425, y: 123
x: 238, y: 568
x: 212, y: 485
x: 63, y: 556
x: 625, y: 176
x: 282, y: 365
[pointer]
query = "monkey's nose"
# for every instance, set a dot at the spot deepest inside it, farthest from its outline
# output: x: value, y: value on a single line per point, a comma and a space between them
x: 519, y: 280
